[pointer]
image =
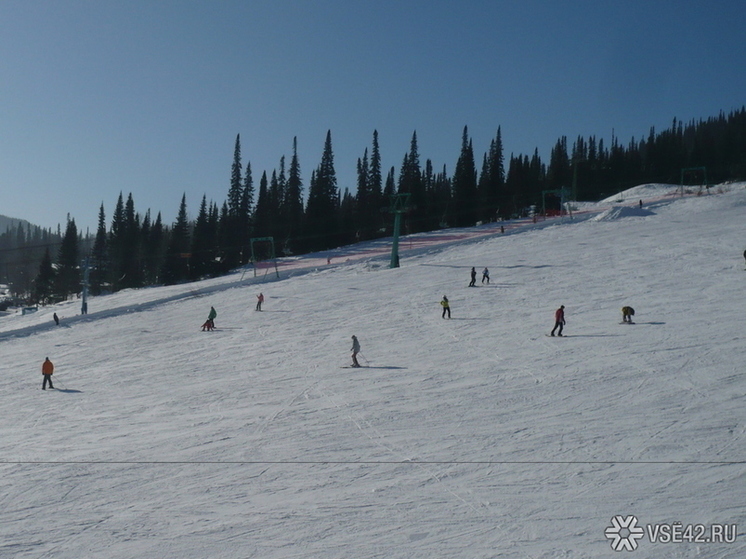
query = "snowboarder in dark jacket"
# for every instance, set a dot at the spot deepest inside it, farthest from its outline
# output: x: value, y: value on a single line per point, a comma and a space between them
x: 627, y: 314
x: 559, y: 320
x: 473, y: 281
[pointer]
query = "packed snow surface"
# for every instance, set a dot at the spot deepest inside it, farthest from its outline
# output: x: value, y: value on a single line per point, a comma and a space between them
x: 618, y: 212
x: 474, y: 437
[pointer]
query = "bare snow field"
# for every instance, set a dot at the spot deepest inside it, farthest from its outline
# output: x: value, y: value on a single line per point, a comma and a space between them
x: 474, y: 437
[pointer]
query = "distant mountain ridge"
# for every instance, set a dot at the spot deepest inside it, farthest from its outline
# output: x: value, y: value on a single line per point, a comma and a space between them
x: 12, y: 222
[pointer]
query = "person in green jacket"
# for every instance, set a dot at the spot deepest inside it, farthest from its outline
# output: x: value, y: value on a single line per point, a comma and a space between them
x: 211, y: 317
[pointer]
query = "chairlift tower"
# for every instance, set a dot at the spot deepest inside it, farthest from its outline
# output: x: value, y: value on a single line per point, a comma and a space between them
x: 399, y: 205
x: 86, y: 275
x: 693, y: 171
x: 272, y: 256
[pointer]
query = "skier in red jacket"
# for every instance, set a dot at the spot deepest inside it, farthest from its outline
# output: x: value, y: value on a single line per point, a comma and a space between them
x: 559, y: 320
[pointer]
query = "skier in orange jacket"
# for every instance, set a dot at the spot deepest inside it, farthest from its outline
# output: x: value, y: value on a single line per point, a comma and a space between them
x: 47, y: 368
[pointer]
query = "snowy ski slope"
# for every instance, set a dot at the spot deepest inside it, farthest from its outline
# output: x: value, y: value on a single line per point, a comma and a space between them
x: 475, y: 437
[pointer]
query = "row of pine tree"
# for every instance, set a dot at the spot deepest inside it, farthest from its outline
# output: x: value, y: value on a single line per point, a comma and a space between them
x: 137, y: 250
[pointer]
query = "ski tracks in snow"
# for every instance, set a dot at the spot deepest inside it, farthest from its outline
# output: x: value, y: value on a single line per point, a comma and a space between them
x: 378, y: 438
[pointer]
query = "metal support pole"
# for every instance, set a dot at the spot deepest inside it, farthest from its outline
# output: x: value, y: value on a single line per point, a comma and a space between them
x: 86, y: 270
x: 398, y: 207
x: 395, y: 242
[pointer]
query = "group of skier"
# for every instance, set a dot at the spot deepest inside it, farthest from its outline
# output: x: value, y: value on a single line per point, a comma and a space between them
x: 559, y: 323
x: 473, y: 283
x: 209, y: 324
x: 559, y: 315
x: 485, y: 277
x: 47, y: 367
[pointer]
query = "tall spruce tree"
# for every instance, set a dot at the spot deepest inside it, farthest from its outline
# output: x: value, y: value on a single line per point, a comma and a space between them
x: 292, y: 209
x: 116, y: 246
x: 68, y: 268
x: 45, y: 281
x: 244, y: 214
x: 378, y: 203
x: 276, y: 195
x: 369, y: 201
x: 465, y: 196
x: 232, y: 225
x: 262, y: 212
x: 348, y: 229
x: 390, y: 187
x: 431, y: 211
x: 323, y: 202
x: 224, y: 240
x: 235, y: 192
x: 99, y: 256
x: 132, y: 247
x: 145, y: 233
x: 442, y: 189
x: 364, y: 213
x: 274, y: 198
x: 176, y: 265
x: 559, y: 174
x: 202, y: 245
x: 154, y: 249
x: 410, y: 181
x: 492, y: 180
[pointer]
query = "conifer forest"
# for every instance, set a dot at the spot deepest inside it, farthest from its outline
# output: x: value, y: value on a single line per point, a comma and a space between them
x: 134, y: 248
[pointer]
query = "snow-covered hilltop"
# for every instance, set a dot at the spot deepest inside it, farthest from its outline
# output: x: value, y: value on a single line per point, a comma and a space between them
x: 474, y: 437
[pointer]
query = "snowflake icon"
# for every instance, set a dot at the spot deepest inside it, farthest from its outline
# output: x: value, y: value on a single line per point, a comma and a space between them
x: 624, y: 533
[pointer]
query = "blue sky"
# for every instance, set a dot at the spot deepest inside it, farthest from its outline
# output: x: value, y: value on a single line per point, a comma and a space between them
x: 98, y: 97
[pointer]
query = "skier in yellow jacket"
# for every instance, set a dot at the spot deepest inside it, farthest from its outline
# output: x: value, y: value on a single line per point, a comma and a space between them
x: 446, y: 307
